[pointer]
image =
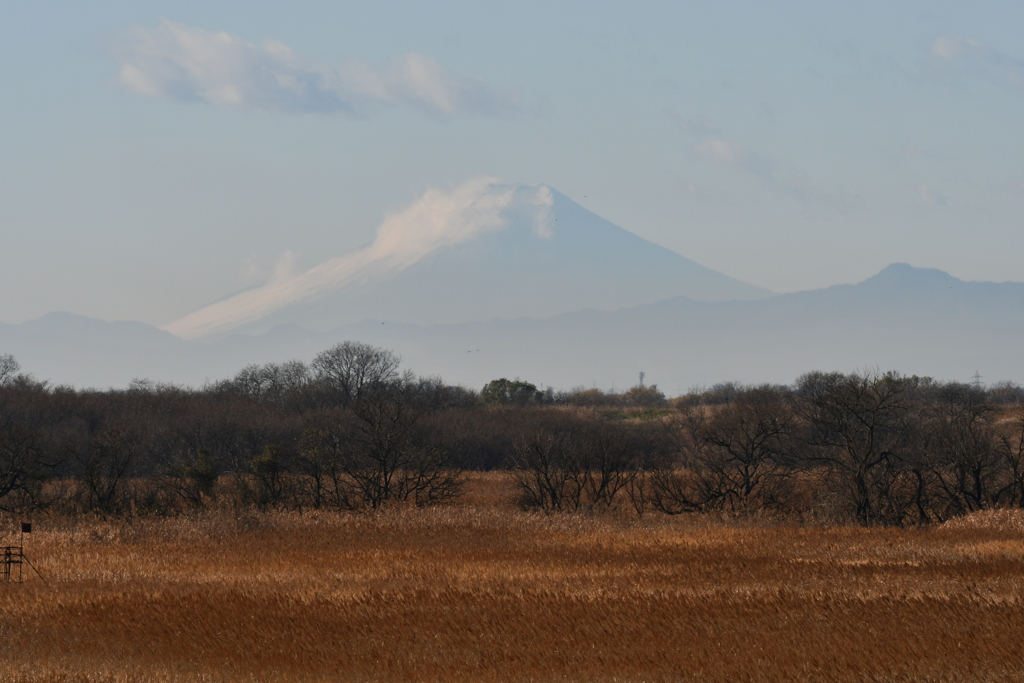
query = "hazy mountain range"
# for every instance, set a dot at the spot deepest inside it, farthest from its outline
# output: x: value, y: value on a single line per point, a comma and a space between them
x: 522, y: 282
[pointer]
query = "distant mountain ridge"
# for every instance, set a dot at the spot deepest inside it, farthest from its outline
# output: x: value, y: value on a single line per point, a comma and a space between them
x: 916, y: 321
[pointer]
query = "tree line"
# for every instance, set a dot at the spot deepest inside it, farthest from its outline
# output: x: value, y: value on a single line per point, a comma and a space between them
x: 351, y: 431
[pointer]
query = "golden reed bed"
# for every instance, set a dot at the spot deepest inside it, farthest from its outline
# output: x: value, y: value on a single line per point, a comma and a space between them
x: 482, y: 592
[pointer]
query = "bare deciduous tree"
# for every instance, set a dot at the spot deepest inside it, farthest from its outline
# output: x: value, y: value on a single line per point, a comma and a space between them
x: 548, y: 471
x: 275, y: 382
x: 563, y: 461
x: 390, y: 460
x: 192, y: 477
x: 1010, y: 447
x: 269, y: 472
x: 613, y: 464
x: 965, y: 464
x: 104, y: 467
x: 23, y: 466
x: 321, y: 460
x: 674, y: 490
x: 860, y: 428
x: 741, y: 452
x: 351, y: 370
x: 8, y: 369
x: 375, y: 454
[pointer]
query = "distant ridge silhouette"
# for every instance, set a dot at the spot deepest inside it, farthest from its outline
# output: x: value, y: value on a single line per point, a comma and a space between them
x: 912, y: 320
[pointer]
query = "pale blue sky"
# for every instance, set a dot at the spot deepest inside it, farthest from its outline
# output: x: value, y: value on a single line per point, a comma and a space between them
x: 792, y: 145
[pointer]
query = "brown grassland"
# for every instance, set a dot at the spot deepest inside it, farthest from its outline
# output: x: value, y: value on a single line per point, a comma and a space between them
x: 482, y: 591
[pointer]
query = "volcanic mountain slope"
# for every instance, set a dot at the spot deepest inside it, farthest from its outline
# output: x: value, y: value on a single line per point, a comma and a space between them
x: 480, y: 252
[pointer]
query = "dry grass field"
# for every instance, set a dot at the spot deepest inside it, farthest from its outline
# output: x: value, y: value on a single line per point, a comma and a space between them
x: 481, y: 591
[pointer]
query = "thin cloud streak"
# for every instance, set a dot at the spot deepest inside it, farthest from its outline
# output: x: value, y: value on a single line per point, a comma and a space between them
x: 436, y: 220
x: 929, y: 197
x: 190, y: 64
x: 985, y: 62
x: 784, y: 179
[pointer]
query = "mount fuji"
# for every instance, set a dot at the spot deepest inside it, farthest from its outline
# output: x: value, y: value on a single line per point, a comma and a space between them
x: 493, y: 280
x: 482, y: 251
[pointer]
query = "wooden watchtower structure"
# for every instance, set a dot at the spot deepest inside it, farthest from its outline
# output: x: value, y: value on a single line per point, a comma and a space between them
x: 12, y: 556
x: 13, y: 560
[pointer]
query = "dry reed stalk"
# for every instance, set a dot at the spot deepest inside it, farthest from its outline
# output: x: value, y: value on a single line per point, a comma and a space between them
x: 481, y: 591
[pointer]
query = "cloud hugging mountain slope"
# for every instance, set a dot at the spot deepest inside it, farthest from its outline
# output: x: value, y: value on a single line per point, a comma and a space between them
x: 482, y: 251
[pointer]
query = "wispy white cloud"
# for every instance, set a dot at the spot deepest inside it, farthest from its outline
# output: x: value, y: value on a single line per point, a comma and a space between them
x: 730, y: 152
x: 254, y: 271
x: 692, y: 126
x: 720, y: 150
x: 192, y: 64
x: 782, y: 178
x: 929, y: 197
x: 436, y: 220
x: 981, y: 60
x: 285, y: 267
x: 951, y: 46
